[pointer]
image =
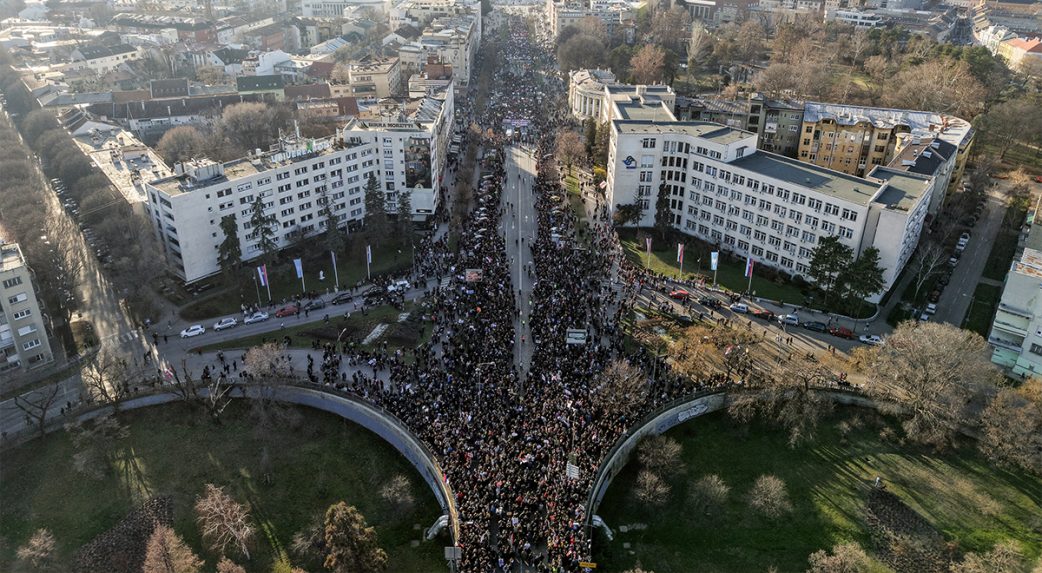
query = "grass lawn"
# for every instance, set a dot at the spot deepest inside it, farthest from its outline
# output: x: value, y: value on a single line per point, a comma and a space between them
x: 284, y: 281
x: 970, y: 502
x: 174, y: 451
x: 730, y: 274
x: 1001, y: 256
x: 402, y: 335
x: 982, y: 309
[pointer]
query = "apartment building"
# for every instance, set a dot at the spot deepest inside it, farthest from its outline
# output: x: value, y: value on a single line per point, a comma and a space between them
x: 777, y: 122
x: 453, y: 40
x: 374, y: 78
x: 102, y: 59
x: 855, y: 140
x: 420, y: 13
x: 1016, y: 331
x: 23, y: 335
x: 616, y: 14
x: 725, y: 191
x: 295, y: 182
x: 411, y: 138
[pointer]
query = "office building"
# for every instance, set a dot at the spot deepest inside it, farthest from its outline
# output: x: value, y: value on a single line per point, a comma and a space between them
x: 1016, y: 331
x: 754, y: 203
x: 616, y: 14
x: 23, y: 335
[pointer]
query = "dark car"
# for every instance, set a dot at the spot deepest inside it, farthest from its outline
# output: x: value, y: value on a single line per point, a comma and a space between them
x: 314, y: 305
x: 682, y: 319
x: 288, y: 310
x: 815, y: 326
x: 373, y: 294
x: 342, y: 298
x: 709, y: 302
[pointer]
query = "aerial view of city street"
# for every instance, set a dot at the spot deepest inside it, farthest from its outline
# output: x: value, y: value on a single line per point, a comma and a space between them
x: 521, y: 286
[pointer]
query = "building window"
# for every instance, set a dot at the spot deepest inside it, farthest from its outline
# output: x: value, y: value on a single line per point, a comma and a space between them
x: 20, y: 297
x: 31, y: 344
x: 12, y: 282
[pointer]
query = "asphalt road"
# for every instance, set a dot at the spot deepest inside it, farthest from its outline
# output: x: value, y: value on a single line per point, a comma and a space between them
x: 519, y: 224
x: 955, y: 300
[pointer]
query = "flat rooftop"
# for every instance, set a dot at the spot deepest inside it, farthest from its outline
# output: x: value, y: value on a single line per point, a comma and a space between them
x: 839, y: 185
x: 903, y: 188
x: 125, y: 161
x: 10, y: 257
x: 635, y: 110
x: 707, y: 130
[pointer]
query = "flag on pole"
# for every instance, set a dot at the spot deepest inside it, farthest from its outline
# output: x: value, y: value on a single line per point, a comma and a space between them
x: 749, y: 266
x: 647, y: 241
x: 300, y: 268
x: 680, y: 252
x: 262, y: 271
x: 368, y: 255
x: 714, y: 260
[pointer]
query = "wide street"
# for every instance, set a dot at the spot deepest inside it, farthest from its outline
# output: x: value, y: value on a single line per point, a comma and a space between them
x: 519, y: 228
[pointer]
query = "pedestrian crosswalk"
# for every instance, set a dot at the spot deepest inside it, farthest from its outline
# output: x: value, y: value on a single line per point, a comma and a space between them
x: 121, y: 338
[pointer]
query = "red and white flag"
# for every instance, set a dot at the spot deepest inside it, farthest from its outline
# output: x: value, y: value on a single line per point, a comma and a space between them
x: 749, y: 266
x: 680, y: 252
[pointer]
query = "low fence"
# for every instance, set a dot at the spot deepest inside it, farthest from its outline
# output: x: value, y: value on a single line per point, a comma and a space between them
x: 373, y: 418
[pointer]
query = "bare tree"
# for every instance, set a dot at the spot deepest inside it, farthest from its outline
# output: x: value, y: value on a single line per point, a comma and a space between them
x: 167, y: 553
x: 929, y: 372
x: 928, y: 262
x: 569, y: 147
x: 181, y: 143
x: 788, y: 397
x: 398, y: 493
x: 619, y: 386
x: 108, y: 378
x: 226, y: 565
x: 38, y: 552
x: 351, y: 543
x: 267, y: 363
x: 37, y: 404
x: 1004, y: 557
x: 651, y: 489
x: 669, y: 28
x: 770, y: 497
x: 1011, y: 427
x: 699, y: 47
x: 648, y: 64
x: 845, y: 558
x: 660, y: 454
x: 594, y: 27
x: 709, y: 494
x: 858, y: 44
x: 224, y: 523
x: 939, y: 84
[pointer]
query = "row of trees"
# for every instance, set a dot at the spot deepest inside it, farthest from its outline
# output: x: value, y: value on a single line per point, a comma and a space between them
x: 342, y: 541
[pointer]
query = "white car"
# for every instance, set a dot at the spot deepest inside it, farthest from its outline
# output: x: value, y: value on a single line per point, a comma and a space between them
x: 225, y: 323
x: 789, y: 319
x: 194, y: 330
x: 931, y: 308
x: 739, y: 307
x: 399, y: 285
x: 259, y: 316
x: 871, y: 339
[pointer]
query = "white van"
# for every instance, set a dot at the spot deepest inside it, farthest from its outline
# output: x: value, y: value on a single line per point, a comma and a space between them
x: 740, y: 307
x: 789, y: 319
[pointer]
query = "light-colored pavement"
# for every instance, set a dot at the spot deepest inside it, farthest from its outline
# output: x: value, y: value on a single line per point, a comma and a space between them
x: 519, y: 228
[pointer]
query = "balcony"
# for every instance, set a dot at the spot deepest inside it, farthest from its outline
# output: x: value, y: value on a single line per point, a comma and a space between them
x: 1016, y: 310
x: 1010, y: 328
x: 1001, y: 343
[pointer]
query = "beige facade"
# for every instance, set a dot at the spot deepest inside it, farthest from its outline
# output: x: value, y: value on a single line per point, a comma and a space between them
x: 23, y: 335
x: 377, y: 78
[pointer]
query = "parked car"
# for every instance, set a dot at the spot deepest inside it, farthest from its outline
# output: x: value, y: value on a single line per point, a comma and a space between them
x: 931, y: 308
x: 373, y: 294
x: 225, y: 323
x: 314, y: 305
x: 194, y: 330
x: 964, y: 237
x: 871, y: 339
x: 259, y: 316
x: 709, y: 302
x: 682, y: 319
x: 288, y: 310
x: 739, y: 307
x: 953, y: 261
x: 815, y: 326
x: 680, y: 294
x: 841, y: 332
x: 789, y: 319
x: 342, y: 298
x: 400, y: 285
x: 763, y: 314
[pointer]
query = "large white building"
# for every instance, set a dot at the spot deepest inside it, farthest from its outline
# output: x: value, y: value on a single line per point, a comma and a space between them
x: 403, y: 147
x: 412, y: 140
x: 294, y: 182
x: 725, y: 191
x: 592, y: 93
x: 23, y: 336
x: 1016, y: 331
